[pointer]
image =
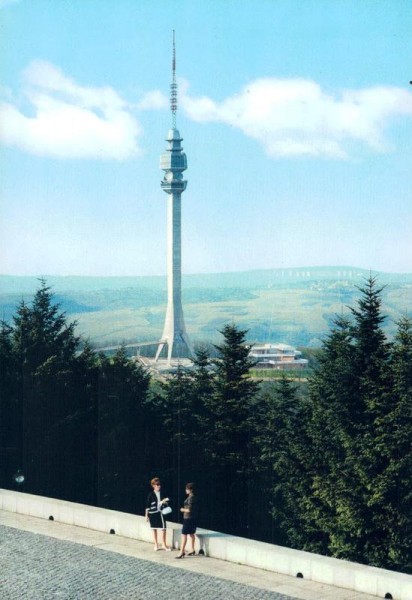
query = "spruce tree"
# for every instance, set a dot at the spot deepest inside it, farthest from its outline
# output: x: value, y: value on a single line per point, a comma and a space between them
x: 333, y: 428
x: 181, y: 406
x: 122, y: 456
x: 359, y: 440
x: 310, y: 445
x: 41, y: 332
x: 391, y: 490
x: 10, y: 434
x: 230, y: 403
x: 280, y: 462
x: 229, y: 434
x: 374, y: 377
x: 178, y: 453
x: 46, y: 353
x: 202, y: 378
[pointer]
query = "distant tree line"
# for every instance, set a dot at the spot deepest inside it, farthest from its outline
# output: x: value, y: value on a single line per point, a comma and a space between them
x: 327, y: 470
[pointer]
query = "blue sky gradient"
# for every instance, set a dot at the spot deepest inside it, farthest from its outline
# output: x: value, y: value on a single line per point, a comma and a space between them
x: 296, y: 117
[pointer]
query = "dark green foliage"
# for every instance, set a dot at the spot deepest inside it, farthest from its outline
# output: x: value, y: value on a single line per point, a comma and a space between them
x: 178, y: 448
x: 353, y: 495
x: 40, y: 333
x: 66, y: 413
x: 180, y: 403
x: 207, y: 412
x: 279, y: 462
x: 332, y: 430
x: 10, y: 414
x: 230, y: 403
x: 228, y: 433
x: 53, y: 413
x: 325, y: 468
x: 391, y: 497
x: 121, y: 420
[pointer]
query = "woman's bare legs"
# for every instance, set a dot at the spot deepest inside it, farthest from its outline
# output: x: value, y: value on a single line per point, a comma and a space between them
x: 156, y: 547
x: 183, y: 546
x: 164, y: 543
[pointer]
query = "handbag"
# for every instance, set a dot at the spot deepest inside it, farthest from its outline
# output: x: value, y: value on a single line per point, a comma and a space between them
x: 166, y: 510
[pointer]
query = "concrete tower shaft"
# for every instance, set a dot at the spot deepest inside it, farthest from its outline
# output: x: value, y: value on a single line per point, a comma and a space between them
x: 174, y: 162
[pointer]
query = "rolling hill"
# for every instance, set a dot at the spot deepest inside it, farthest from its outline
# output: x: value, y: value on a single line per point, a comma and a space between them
x: 295, y: 306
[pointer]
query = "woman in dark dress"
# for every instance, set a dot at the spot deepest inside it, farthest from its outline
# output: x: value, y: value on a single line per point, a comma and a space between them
x: 189, y: 511
x: 154, y: 505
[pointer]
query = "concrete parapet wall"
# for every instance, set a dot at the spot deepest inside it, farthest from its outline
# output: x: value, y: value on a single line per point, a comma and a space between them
x: 322, y: 569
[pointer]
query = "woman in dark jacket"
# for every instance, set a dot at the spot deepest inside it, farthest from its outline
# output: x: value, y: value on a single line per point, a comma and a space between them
x: 190, y: 511
x: 154, y: 506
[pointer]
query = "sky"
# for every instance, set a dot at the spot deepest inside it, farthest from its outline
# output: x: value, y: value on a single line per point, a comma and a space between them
x: 296, y: 117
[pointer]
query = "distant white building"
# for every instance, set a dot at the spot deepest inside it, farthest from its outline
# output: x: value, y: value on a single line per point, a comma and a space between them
x: 277, y: 356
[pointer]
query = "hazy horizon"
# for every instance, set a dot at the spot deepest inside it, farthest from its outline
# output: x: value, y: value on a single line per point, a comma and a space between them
x: 304, y: 268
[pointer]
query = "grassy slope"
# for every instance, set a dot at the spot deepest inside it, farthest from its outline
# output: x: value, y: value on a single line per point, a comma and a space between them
x: 294, y: 306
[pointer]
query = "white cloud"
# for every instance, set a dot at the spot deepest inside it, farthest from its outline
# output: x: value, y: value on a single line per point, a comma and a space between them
x: 153, y: 101
x: 289, y: 117
x: 295, y: 117
x: 70, y: 121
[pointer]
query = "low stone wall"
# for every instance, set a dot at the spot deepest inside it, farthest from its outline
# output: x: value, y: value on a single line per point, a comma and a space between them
x: 360, y: 578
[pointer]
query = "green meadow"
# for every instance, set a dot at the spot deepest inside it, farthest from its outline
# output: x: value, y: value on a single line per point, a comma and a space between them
x: 294, y: 306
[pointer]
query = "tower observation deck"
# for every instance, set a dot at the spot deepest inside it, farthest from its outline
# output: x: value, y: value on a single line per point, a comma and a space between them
x: 173, y: 162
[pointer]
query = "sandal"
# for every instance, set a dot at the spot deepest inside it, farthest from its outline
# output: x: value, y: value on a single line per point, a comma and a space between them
x: 191, y: 553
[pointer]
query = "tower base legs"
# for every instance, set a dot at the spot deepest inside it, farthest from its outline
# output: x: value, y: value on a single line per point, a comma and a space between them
x: 179, y: 347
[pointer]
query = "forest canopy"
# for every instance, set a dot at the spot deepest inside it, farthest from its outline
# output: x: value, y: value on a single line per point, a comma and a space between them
x: 325, y: 467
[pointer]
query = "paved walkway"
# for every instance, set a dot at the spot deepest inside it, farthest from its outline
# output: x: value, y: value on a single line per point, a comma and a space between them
x: 44, y: 560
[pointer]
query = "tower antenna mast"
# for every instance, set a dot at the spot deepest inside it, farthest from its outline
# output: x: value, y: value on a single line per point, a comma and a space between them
x: 173, y: 86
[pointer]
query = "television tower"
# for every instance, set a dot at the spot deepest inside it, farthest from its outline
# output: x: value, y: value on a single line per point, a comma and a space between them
x: 173, y: 162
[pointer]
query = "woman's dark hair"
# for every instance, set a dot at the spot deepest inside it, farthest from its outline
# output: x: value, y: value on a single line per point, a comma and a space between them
x: 190, y: 487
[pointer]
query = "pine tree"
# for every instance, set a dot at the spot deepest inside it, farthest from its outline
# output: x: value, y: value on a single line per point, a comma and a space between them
x: 122, y: 455
x: 45, y: 350
x: 374, y: 379
x: 334, y: 499
x: 391, y: 491
x: 178, y: 452
x: 82, y: 426
x: 230, y: 403
x: 280, y: 461
x: 41, y: 332
x: 182, y: 408
x: 372, y: 351
x: 313, y: 435
x: 202, y: 378
x: 229, y: 435
x: 359, y: 440
x: 10, y: 459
